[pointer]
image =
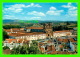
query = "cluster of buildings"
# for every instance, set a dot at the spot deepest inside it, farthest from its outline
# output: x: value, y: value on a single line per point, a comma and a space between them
x: 51, y: 42
x: 59, y: 45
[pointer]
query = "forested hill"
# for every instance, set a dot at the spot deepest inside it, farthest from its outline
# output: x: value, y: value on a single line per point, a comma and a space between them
x: 10, y: 21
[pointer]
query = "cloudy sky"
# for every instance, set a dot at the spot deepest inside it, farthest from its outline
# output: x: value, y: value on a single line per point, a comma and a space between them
x: 40, y: 11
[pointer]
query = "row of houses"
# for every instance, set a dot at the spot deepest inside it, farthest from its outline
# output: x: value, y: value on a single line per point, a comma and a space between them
x: 48, y: 46
x: 11, y: 43
x: 21, y: 34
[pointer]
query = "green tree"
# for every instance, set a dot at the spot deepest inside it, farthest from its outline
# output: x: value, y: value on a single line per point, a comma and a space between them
x: 5, y: 47
x: 11, y: 26
x: 25, y: 49
x: 5, y: 36
x: 34, y: 50
x: 34, y: 42
x: 67, y: 23
x: 20, y: 50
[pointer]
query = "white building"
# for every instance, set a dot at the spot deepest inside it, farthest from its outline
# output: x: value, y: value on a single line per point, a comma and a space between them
x: 21, y: 34
x: 61, y: 33
x: 11, y: 43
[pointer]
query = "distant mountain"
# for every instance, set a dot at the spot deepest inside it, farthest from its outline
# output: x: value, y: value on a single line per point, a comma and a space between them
x: 33, y: 21
x: 9, y: 21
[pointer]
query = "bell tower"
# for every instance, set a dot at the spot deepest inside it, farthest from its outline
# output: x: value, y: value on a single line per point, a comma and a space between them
x: 48, y: 29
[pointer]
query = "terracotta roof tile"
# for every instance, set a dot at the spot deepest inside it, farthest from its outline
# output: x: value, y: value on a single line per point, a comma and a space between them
x: 62, y: 40
x: 10, y: 40
x: 61, y: 46
x: 61, y: 31
x: 25, y: 34
x: 34, y: 27
x: 61, y: 52
x: 72, y: 40
x: 17, y: 40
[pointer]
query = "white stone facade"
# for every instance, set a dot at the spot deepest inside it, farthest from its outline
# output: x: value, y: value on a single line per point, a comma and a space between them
x: 32, y: 37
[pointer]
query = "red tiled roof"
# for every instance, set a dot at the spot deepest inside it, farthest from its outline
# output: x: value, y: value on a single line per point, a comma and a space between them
x: 61, y: 46
x: 61, y: 31
x: 50, y: 48
x: 72, y: 40
x: 13, y: 29
x: 25, y: 34
x: 61, y: 52
x: 10, y: 40
x: 17, y: 40
x: 62, y: 40
x: 7, y: 30
x: 34, y: 27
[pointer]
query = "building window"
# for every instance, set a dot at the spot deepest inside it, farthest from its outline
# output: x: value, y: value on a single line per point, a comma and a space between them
x: 46, y: 48
x: 48, y: 34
